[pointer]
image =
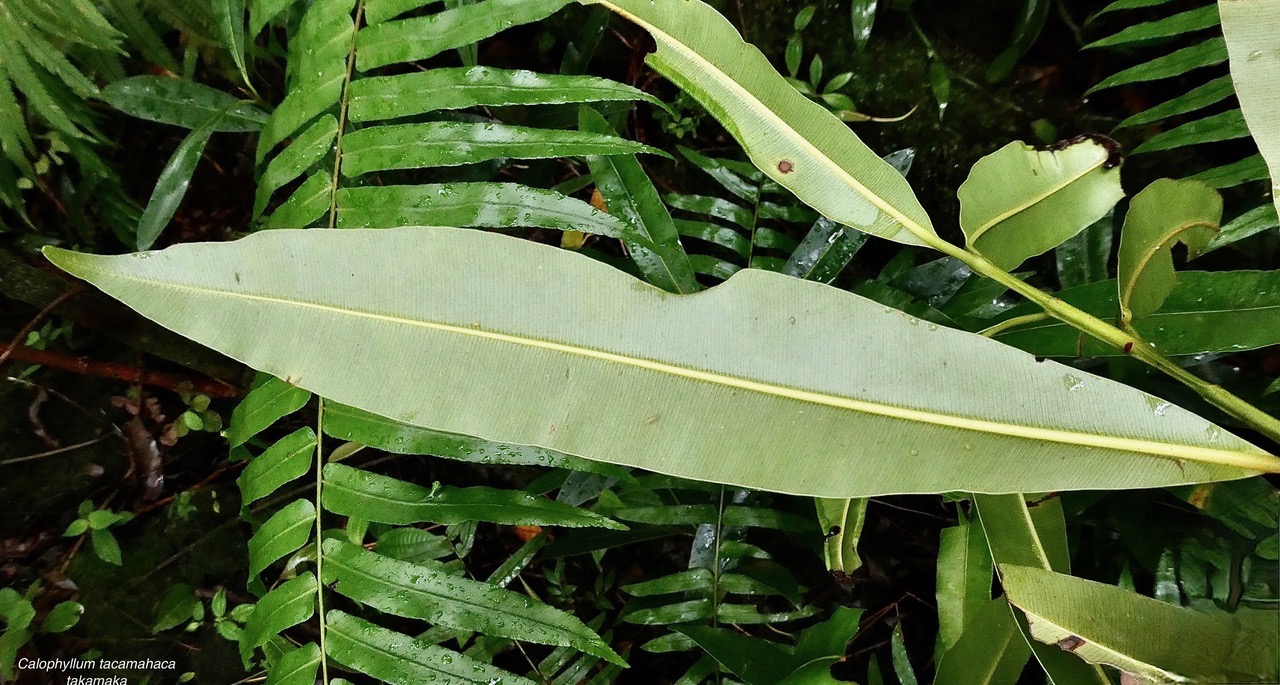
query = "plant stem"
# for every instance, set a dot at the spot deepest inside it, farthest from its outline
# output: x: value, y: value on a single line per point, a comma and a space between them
x: 324, y: 653
x: 997, y: 329
x: 1136, y: 347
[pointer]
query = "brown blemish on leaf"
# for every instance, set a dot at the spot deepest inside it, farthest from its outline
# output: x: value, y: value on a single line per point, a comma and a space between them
x: 1200, y: 497
x: 786, y: 166
x: 1070, y: 643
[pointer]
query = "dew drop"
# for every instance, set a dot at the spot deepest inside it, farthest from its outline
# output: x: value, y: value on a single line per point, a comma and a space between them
x: 1072, y: 382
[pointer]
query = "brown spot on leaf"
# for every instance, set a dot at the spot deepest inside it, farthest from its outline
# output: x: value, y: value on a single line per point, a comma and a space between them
x: 786, y: 166
x: 1070, y: 643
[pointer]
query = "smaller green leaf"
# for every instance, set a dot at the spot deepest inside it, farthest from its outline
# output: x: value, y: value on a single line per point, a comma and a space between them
x: 262, y: 12
x: 307, y: 149
x: 689, y: 611
x: 281, y: 535
x: 413, y: 545
x: 1251, y: 168
x: 1031, y: 18
x: 1164, y: 213
x: 426, y: 591
x: 1019, y: 201
x: 684, y: 581
x: 400, y: 660
x: 268, y: 402
x: 182, y: 103
x: 825, y: 251
x: 306, y: 205
x: 1205, y: 54
x: 1177, y: 25
x: 171, y: 187
x: 383, y: 499
x: 757, y: 661
x: 1257, y: 220
x: 862, y: 14
x: 62, y: 617
x: 990, y: 650
x: 175, y: 607
x: 841, y: 522
x: 793, y: 54
x: 286, y: 460
x: 1197, y: 98
x: 1228, y: 125
x: 828, y: 639
x: 296, y: 666
x: 964, y: 580
x: 230, y: 18
x: 1083, y: 258
x: 106, y: 546
x: 901, y: 663
x: 77, y: 528
x: 289, y: 604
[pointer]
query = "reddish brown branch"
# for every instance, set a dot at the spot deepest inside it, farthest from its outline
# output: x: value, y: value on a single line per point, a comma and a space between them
x: 122, y: 372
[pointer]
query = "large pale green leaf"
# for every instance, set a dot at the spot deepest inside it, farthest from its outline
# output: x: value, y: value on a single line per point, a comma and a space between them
x: 1164, y: 213
x: 1223, y: 311
x: 1019, y: 201
x: 1252, y: 30
x: 471, y: 332
x: 793, y: 139
x: 1109, y: 625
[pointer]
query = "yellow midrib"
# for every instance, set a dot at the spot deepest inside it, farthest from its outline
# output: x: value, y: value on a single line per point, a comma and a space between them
x: 746, y: 96
x: 1034, y: 200
x: 1248, y: 460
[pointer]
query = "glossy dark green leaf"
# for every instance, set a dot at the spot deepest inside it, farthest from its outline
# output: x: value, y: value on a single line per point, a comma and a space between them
x: 286, y: 606
x: 181, y: 103
x: 413, y: 545
x: 964, y: 579
x: 265, y: 404
x: 409, y: 146
x: 419, y: 38
x: 352, y: 492
x: 688, y: 611
x: 862, y: 15
x: 1083, y: 258
x: 901, y: 663
x: 281, y: 535
x: 426, y: 591
x: 262, y: 12
x: 841, y: 522
x: 829, y: 638
x: 487, y: 205
x: 175, y: 607
x: 62, y: 617
x: 990, y: 651
x: 106, y: 546
x: 1179, y: 24
x: 1257, y: 220
x: 356, y: 425
x: 289, y: 458
x: 734, y: 515
x: 745, y: 187
x: 398, y: 659
x: 1030, y: 23
x: 1224, y: 311
x: 1228, y: 125
x: 1195, y: 99
x: 390, y: 97
x: 172, y: 184
x: 1251, y: 168
x: 307, y: 204
x: 311, y: 146
x: 629, y: 195
x: 230, y: 17
x: 826, y: 249
x: 756, y: 661
x: 684, y: 581
x: 1205, y: 54
x: 296, y: 666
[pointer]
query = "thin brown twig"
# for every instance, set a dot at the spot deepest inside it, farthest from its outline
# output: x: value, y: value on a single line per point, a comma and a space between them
x: 36, y: 320
x: 50, y: 453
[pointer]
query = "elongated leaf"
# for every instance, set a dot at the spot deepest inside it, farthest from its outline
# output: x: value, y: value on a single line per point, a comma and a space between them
x: 296, y: 666
x: 349, y: 423
x: 629, y: 195
x: 1019, y: 201
x: 413, y: 545
x: 1252, y: 31
x: 1251, y: 168
x: 286, y: 606
x: 289, y: 458
x: 756, y: 661
x: 1179, y: 24
x: 282, y: 534
x: 990, y: 651
x: 1106, y: 624
x: 419, y: 38
x: 1223, y: 311
x: 171, y: 187
x: 306, y: 205
x: 352, y: 492
x: 265, y: 404
x: 409, y: 146
x: 1083, y: 259
x: 181, y: 103
x: 308, y: 148
x: 964, y: 579
x: 1031, y: 18
x: 1227, y: 125
x: 262, y: 12
x: 425, y: 591
x: 1206, y: 54
x: 435, y: 339
x: 389, y: 97
x: 396, y: 658
x: 862, y: 14
x: 490, y: 205
x: 1164, y: 213
x: 825, y: 251
x: 794, y: 140
x: 1257, y: 220
x: 841, y: 522
x: 230, y: 17
x: 1197, y: 98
